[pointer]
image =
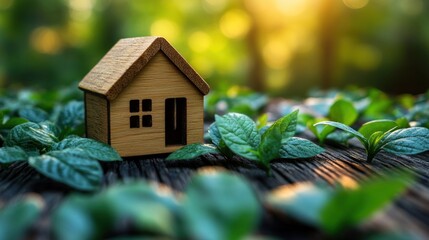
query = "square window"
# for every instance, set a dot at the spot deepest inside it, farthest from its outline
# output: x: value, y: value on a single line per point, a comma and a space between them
x: 134, y: 122
x: 147, y: 105
x: 134, y: 105
x: 147, y: 120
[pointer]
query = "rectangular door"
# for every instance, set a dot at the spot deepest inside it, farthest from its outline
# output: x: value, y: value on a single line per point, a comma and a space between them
x: 175, y: 121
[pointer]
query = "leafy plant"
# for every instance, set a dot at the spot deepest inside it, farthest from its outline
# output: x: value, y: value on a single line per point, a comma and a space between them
x: 17, y: 217
x: 384, y: 135
x: 237, y: 133
x: 236, y: 99
x: 7, y: 122
x: 72, y: 161
x: 216, y: 206
x: 342, y: 111
x: 71, y: 118
x: 339, y: 209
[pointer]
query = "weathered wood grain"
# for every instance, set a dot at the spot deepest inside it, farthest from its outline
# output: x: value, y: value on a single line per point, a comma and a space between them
x: 410, y: 212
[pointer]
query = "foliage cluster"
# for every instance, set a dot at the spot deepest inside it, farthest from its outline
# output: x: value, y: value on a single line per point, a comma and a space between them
x: 215, y: 205
x: 53, y: 149
x: 237, y: 133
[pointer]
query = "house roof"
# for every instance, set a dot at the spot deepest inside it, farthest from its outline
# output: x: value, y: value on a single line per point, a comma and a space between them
x: 126, y: 59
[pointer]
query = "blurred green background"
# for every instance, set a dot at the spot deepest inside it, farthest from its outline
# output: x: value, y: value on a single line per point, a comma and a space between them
x: 281, y: 47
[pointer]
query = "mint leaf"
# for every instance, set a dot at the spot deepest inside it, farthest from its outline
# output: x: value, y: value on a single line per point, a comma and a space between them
x: 144, y: 207
x: 208, y: 214
x: 31, y: 137
x: 406, y: 141
x: 16, y: 218
x: 302, y: 201
x: 214, y: 134
x: 12, y: 122
x: 240, y: 134
x: 192, y: 151
x: 288, y: 124
x: 33, y: 114
x: 324, y: 132
x: 340, y: 137
x: 92, y: 148
x: 270, y: 144
x: 262, y: 121
x: 12, y: 154
x: 349, y: 207
x: 299, y: 148
x: 50, y: 128
x: 78, y: 217
x: 343, y: 111
x: 70, y: 166
x: 384, y: 125
x: 149, y: 210
x: 72, y: 117
x: 344, y: 128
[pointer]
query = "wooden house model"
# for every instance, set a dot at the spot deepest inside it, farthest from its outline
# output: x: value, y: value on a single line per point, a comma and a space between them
x: 143, y: 98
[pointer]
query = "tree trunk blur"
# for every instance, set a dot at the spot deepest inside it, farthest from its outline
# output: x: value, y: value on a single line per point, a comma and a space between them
x: 328, y: 20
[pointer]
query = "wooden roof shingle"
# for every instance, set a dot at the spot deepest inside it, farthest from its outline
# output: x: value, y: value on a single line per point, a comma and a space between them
x: 126, y: 59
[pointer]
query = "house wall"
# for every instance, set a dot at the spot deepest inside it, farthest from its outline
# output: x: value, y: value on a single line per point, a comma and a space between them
x: 96, y: 117
x: 159, y: 80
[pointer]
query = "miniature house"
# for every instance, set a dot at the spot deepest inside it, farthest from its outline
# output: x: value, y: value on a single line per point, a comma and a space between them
x: 144, y: 98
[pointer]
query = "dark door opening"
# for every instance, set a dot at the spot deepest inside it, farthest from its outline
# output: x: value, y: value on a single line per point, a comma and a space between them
x: 175, y: 121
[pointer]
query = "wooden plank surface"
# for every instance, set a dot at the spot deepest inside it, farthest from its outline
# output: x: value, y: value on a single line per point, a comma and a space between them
x: 410, y: 212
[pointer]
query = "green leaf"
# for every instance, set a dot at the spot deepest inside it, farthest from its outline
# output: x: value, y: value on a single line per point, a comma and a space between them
x: 33, y: 114
x: 12, y: 154
x: 209, y: 215
x: 51, y: 128
x: 12, y: 122
x: 270, y: 144
x: 403, y: 122
x: 262, y: 121
x: 149, y: 210
x: 344, y: 128
x: 192, y: 151
x: 343, y: 111
x: 302, y: 201
x: 92, y: 148
x: 288, y: 124
x: 214, y: 134
x: 31, y: 137
x: 324, y: 132
x: 340, y: 137
x: 81, y: 217
x: 371, y: 127
x: 72, y: 117
x: 299, y: 148
x: 17, y: 218
x: 70, y: 166
x: 146, y: 209
x: 216, y: 139
x: 406, y: 141
x: 349, y: 207
x: 240, y: 134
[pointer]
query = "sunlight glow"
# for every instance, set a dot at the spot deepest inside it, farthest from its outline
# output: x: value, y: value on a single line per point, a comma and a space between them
x: 81, y: 5
x: 199, y: 41
x: 276, y: 53
x: 234, y: 23
x: 215, y: 5
x: 292, y: 7
x: 204, y: 67
x: 355, y: 4
x: 46, y: 40
x: 165, y: 28
x: 5, y: 4
x: 411, y: 7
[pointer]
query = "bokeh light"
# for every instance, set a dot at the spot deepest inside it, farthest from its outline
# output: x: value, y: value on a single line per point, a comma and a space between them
x: 355, y: 4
